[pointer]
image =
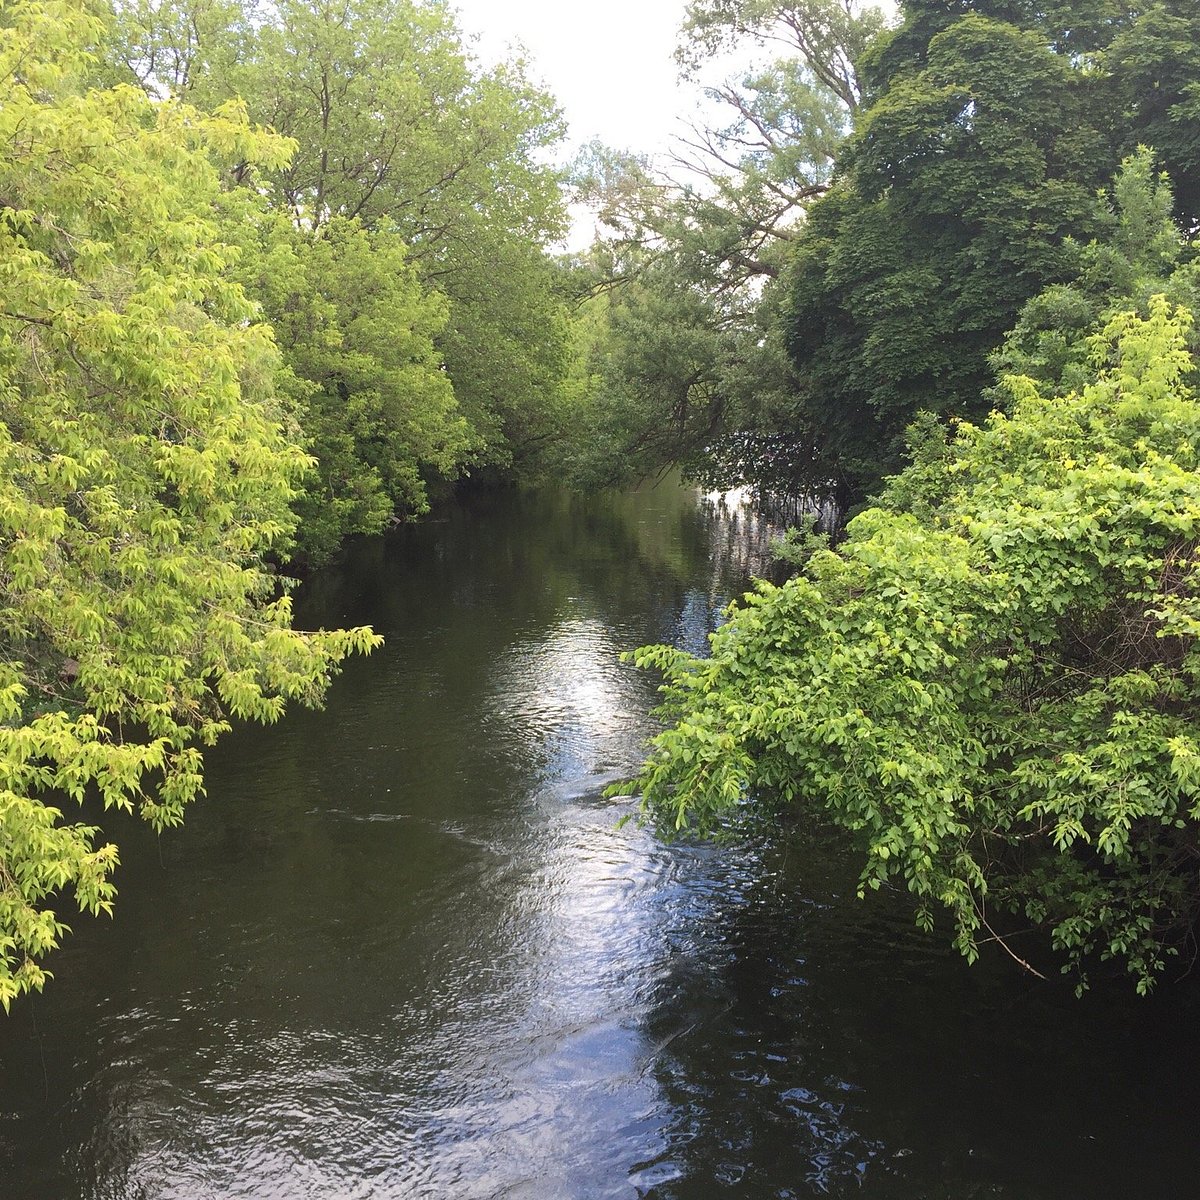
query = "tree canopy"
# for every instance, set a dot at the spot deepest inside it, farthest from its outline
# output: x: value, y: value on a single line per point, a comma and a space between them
x: 418, y: 179
x: 876, y: 213
x: 692, y: 251
x: 148, y: 471
x: 987, y: 128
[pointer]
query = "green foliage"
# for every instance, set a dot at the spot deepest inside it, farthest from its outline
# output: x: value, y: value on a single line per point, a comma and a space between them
x: 966, y: 189
x: 959, y: 187
x: 1139, y: 253
x: 357, y: 330
x: 1078, y: 30
x: 830, y: 37
x: 798, y: 545
x: 688, y: 367
x: 849, y: 285
x: 146, y: 472
x: 664, y: 367
x: 997, y: 697
x: 397, y: 129
x: 1155, y: 64
x: 656, y: 394
x: 505, y: 348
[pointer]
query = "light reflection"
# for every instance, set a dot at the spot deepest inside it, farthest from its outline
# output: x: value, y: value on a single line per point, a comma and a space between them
x: 431, y: 963
x: 564, y: 700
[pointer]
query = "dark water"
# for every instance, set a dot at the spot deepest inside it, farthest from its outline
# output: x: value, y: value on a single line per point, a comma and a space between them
x: 404, y: 950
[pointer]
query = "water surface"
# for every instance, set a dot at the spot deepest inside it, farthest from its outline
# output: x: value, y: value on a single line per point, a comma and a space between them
x: 405, y: 948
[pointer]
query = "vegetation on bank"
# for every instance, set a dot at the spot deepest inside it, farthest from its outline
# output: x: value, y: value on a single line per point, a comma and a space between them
x: 272, y: 272
x: 962, y: 243
x: 398, y: 250
x: 149, y: 467
x: 994, y: 684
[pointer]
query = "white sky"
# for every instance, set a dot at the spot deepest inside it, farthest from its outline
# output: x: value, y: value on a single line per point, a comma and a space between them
x: 609, y: 65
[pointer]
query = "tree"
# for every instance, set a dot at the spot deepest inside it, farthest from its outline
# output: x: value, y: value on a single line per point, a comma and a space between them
x: 985, y: 129
x: 692, y: 251
x: 828, y: 36
x: 398, y: 129
x: 505, y: 349
x: 357, y: 331
x: 674, y: 372
x: 1155, y: 63
x: 147, y: 473
x: 659, y: 375
x: 958, y: 189
x: 1139, y: 253
x: 995, y: 691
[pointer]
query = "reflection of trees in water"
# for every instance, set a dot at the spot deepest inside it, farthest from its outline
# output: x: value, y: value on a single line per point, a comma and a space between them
x: 533, y: 552
x: 758, y: 1103
x: 786, y: 511
x: 740, y: 534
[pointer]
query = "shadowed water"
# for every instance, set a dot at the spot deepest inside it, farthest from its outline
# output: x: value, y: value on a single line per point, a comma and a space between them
x: 405, y: 948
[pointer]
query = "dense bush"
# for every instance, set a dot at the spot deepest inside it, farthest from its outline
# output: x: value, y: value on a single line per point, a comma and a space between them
x: 993, y: 684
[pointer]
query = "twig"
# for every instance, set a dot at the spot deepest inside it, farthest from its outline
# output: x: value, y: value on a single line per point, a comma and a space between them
x: 1008, y: 949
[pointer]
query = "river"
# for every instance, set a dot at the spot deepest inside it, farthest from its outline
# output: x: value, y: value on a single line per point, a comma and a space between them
x: 406, y: 949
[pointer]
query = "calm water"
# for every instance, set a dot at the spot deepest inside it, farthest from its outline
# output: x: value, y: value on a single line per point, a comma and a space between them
x: 404, y: 950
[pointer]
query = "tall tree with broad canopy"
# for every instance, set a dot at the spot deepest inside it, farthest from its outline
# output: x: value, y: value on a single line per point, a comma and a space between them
x: 148, y: 472
x: 957, y: 190
x: 397, y: 128
x: 357, y: 329
x: 986, y: 128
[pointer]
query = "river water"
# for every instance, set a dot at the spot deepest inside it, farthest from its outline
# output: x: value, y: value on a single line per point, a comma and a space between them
x: 404, y: 949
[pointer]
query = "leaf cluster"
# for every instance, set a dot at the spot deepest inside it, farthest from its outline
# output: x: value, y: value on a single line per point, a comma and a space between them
x: 146, y: 472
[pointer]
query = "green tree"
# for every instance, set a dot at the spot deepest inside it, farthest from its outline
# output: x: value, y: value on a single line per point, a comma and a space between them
x: 995, y: 692
x: 147, y: 472
x: 693, y: 369
x: 986, y: 127
x: 958, y: 189
x: 828, y: 36
x: 657, y: 391
x: 1139, y: 253
x: 398, y: 128
x: 1155, y: 64
x: 357, y: 330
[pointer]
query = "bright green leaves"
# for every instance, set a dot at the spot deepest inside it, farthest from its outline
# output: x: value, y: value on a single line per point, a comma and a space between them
x: 42, y: 857
x: 996, y: 692
x: 144, y: 473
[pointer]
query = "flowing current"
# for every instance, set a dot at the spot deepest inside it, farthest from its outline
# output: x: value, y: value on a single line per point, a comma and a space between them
x: 405, y: 948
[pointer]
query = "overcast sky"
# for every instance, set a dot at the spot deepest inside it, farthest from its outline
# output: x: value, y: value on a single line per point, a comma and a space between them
x: 609, y: 65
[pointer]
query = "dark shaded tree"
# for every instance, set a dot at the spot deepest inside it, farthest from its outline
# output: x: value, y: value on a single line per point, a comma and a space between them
x: 987, y: 130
